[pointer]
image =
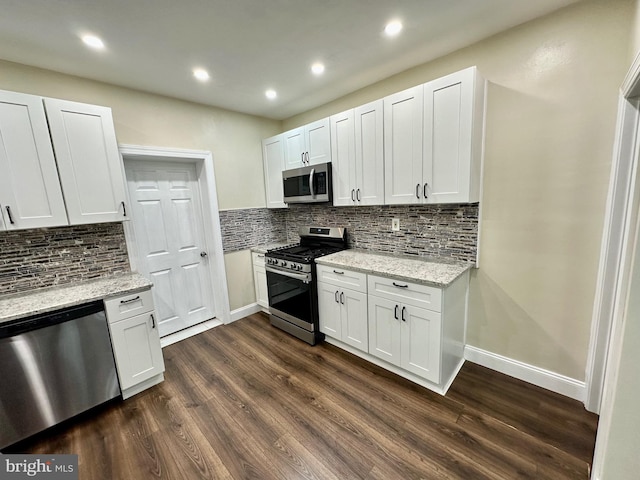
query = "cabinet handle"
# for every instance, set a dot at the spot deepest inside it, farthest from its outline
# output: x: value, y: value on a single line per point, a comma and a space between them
x: 358, y: 194
x: 403, y: 310
x: 153, y: 321
x: 395, y: 312
x: 10, y: 216
x: 130, y: 300
x: 336, y: 296
x: 353, y: 195
x: 260, y: 256
x: 418, y: 191
x: 124, y: 209
x: 308, y: 158
x: 342, y: 298
x: 339, y: 273
x: 302, y: 157
x: 424, y: 190
x: 400, y: 286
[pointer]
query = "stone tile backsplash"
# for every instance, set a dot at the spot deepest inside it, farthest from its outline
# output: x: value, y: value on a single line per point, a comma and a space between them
x: 46, y: 257
x: 449, y: 231
x: 246, y: 228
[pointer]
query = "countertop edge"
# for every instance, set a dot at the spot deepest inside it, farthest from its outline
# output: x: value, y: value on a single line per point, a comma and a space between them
x: 326, y: 261
x: 105, y: 288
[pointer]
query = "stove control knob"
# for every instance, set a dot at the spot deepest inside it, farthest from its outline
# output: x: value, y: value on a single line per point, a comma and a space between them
x: 283, y: 263
x: 299, y: 267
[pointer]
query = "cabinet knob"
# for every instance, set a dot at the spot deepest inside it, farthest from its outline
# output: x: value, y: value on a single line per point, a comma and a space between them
x: 203, y: 254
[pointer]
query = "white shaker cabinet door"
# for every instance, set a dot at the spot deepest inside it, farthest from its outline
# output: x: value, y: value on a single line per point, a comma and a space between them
x: 329, y: 310
x: 355, y: 330
x: 420, y: 340
x: 295, y: 148
x: 90, y: 168
x: 30, y: 193
x: 343, y: 163
x: 318, y: 142
x: 136, y: 348
x: 403, y: 147
x: 369, y: 154
x: 384, y: 329
x: 273, y: 158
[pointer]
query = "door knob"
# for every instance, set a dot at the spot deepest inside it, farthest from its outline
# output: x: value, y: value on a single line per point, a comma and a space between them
x: 203, y: 254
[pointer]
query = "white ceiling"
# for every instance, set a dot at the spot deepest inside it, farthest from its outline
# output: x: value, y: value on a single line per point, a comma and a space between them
x: 249, y: 45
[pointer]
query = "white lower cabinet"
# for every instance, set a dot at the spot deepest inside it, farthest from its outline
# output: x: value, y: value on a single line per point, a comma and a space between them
x: 414, y: 330
x: 405, y: 336
x: 260, y: 280
x: 135, y: 341
x: 343, y: 311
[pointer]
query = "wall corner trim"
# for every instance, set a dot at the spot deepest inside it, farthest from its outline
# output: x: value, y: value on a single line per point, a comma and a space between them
x: 555, y: 382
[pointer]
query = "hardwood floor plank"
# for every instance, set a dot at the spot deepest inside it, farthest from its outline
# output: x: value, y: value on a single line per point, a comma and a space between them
x: 246, y: 400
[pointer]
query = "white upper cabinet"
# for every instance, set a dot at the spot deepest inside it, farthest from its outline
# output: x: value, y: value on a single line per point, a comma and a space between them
x: 30, y: 194
x: 403, y: 132
x: 273, y: 158
x: 88, y: 160
x: 343, y: 158
x: 357, y: 155
x: 307, y: 145
x: 433, y: 141
x: 453, y: 131
x: 369, y: 149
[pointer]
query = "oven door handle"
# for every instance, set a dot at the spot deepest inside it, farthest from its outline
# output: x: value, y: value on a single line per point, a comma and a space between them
x: 305, y: 277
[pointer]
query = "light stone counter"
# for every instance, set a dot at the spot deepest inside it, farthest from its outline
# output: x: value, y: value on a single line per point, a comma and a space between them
x: 263, y: 248
x: 49, y: 299
x: 409, y: 269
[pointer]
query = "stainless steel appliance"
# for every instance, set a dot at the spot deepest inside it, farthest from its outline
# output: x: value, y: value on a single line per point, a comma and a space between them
x: 52, y: 367
x: 291, y: 281
x: 310, y: 184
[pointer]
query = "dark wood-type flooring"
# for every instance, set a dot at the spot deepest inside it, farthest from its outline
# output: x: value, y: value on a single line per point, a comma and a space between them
x: 248, y: 401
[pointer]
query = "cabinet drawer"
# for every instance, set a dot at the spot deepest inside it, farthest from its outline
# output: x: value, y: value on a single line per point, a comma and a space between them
x: 126, y: 306
x: 415, y: 294
x: 257, y: 258
x: 342, y: 278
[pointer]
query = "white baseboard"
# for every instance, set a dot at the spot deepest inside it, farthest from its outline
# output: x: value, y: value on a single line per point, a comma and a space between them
x: 555, y: 382
x: 189, y: 332
x: 245, y: 311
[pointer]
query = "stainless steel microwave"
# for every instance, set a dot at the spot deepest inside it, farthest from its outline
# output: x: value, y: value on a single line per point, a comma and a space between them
x: 311, y: 184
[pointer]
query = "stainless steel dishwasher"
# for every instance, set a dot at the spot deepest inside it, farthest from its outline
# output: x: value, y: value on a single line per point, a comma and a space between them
x: 52, y: 367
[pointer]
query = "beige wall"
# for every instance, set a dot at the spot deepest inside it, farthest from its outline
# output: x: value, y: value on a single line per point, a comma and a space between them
x: 146, y: 119
x: 551, y: 115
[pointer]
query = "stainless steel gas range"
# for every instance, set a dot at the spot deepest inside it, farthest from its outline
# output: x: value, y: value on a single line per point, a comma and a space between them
x: 291, y: 281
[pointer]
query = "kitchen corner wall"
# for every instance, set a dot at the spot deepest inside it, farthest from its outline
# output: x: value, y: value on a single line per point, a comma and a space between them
x: 550, y: 122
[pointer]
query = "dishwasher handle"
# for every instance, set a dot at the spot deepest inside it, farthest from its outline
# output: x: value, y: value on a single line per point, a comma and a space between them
x: 41, y: 320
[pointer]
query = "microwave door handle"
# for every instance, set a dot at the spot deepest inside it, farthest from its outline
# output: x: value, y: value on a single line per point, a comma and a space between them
x: 313, y: 170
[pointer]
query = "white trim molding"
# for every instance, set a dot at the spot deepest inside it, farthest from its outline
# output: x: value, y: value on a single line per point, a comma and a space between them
x: 245, y: 311
x: 213, y: 235
x: 547, y: 379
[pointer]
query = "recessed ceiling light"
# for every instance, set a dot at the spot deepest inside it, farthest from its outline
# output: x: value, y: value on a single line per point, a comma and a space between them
x: 317, y: 68
x: 393, y: 28
x: 271, y: 94
x: 201, y: 74
x: 93, y: 42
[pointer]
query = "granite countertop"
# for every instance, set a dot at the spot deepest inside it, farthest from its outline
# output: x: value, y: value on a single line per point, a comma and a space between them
x: 44, y: 300
x: 268, y: 246
x: 426, y: 272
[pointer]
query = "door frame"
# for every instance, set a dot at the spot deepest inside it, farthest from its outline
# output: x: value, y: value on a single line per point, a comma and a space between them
x: 619, y: 242
x: 203, y: 161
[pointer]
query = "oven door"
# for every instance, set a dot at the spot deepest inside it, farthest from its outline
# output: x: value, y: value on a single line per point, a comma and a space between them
x: 291, y: 297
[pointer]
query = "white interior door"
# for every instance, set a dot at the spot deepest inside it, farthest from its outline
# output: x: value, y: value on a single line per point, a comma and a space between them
x: 169, y: 234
